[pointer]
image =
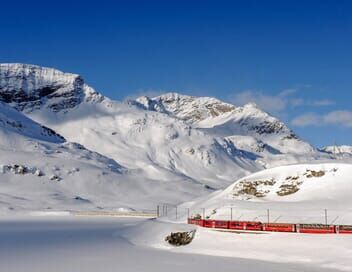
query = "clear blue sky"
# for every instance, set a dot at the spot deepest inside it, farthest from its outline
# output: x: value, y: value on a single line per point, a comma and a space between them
x: 294, y: 58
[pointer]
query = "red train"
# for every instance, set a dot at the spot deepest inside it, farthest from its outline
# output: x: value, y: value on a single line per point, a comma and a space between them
x: 245, y: 225
x: 279, y: 227
x: 275, y: 227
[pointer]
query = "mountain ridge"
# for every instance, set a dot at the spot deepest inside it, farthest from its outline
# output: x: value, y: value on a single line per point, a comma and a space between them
x: 27, y: 87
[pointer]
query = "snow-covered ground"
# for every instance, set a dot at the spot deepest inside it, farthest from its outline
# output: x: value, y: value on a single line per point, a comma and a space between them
x: 302, y: 193
x: 114, y: 244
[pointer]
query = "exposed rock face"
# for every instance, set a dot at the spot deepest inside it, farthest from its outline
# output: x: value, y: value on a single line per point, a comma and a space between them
x: 317, y: 174
x: 20, y: 170
x: 147, y: 103
x: 253, y: 188
x: 180, y: 238
x: 29, y: 87
x: 287, y: 189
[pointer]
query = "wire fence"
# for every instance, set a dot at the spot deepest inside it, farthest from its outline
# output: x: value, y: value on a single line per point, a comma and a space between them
x: 166, y: 211
x: 266, y: 215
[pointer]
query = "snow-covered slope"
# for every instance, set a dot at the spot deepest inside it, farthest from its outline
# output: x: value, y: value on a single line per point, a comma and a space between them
x: 172, y: 147
x: 159, y: 147
x: 293, y: 193
x: 39, y: 170
x: 14, y: 125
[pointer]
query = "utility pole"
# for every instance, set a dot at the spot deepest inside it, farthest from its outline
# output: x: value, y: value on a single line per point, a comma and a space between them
x: 231, y: 213
x: 176, y: 212
x: 203, y: 213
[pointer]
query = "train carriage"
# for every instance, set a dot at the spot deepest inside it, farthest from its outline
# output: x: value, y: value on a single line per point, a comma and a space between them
x: 279, y: 227
x: 315, y: 228
x: 344, y: 229
x: 242, y: 225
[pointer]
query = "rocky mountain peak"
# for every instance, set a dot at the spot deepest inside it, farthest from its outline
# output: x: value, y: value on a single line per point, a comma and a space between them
x: 28, y: 87
x: 148, y: 103
x: 188, y: 108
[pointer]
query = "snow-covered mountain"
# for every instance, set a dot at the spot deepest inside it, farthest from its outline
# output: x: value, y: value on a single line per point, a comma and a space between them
x: 244, y: 130
x: 339, y: 150
x: 29, y: 87
x: 172, y: 147
x: 221, y: 119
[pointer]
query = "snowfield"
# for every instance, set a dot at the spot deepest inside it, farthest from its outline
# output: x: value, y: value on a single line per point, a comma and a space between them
x: 111, y: 244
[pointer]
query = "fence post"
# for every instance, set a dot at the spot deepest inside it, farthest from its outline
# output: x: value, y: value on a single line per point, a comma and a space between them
x: 268, y: 213
x: 203, y: 213
x: 326, y: 216
x: 157, y: 211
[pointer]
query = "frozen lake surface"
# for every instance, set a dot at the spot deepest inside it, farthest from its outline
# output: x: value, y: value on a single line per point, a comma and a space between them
x: 67, y: 244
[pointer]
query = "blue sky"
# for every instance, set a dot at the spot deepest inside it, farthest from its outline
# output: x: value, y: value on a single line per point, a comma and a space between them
x: 293, y: 58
